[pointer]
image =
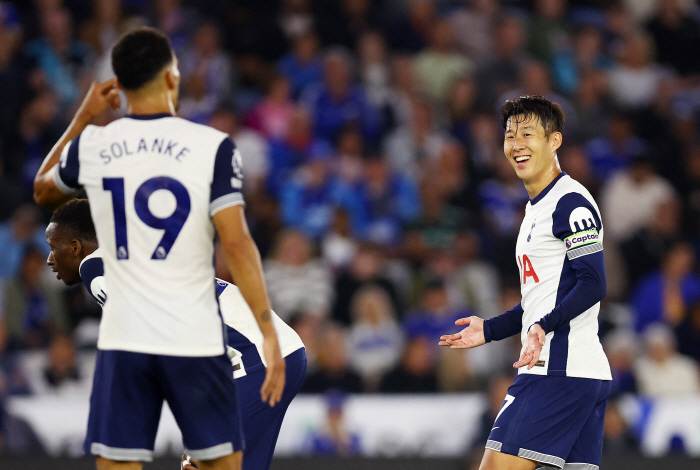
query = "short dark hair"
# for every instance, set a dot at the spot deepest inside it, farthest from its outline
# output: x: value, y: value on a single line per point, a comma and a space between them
x: 139, y: 56
x: 75, y: 216
x: 549, y: 114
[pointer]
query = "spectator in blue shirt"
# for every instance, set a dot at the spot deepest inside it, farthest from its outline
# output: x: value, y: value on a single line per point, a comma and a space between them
x: 389, y: 200
x: 337, y: 102
x: 21, y: 231
x: 303, y: 66
x: 665, y: 295
x: 309, y: 198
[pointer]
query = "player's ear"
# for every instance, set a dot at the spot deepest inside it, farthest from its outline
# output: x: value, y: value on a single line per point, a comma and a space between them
x: 556, y: 139
x: 172, y: 75
x: 76, y: 247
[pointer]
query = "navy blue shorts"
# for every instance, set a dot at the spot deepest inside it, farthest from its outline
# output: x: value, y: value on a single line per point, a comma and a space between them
x: 261, y: 422
x: 127, y: 397
x: 553, y: 420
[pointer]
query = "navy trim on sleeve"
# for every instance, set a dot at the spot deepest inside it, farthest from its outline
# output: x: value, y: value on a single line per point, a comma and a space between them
x: 69, y: 167
x: 585, y: 217
x: 590, y: 288
x: 90, y: 270
x: 227, y: 180
x: 505, y: 325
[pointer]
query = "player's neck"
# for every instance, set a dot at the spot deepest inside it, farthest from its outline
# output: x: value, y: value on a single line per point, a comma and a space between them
x: 143, y: 104
x: 538, y: 184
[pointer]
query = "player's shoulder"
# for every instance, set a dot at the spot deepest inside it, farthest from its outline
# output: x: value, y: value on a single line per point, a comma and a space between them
x: 567, y: 185
x: 575, y: 209
x: 92, y: 266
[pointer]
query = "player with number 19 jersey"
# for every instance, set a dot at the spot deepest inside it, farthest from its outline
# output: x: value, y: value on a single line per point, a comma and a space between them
x: 154, y: 182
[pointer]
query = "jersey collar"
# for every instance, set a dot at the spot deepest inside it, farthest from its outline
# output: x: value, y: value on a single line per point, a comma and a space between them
x: 148, y: 117
x: 544, y: 192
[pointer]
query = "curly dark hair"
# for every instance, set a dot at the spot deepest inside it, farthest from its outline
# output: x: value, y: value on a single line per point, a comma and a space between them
x: 75, y: 216
x: 139, y: 56
x: 525, y: 107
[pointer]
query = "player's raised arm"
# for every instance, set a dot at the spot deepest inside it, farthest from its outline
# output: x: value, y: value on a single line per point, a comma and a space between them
x: 47, y: 192
x: 243, y: 260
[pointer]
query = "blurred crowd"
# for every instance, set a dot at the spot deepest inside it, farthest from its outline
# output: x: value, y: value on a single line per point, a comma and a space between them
x: 375, y: 181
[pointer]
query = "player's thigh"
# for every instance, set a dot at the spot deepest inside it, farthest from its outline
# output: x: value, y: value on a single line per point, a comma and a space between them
x: 494, y: 460
x: 125, y: 406
x: 202, y: 396
x: 227, y: 462
x: 542, y: 417
x: 588, y: 447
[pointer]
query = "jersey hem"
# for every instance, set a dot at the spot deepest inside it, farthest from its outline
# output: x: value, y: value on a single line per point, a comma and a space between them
x: 209, y: 352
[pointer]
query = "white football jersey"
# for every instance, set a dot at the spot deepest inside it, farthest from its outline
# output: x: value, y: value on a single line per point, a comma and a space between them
x: 561, y: 224
x: 244, y: 337
x: 154, y: 182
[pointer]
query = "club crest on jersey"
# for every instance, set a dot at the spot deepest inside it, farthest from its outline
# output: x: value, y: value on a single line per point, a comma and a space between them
x: 529, y: 235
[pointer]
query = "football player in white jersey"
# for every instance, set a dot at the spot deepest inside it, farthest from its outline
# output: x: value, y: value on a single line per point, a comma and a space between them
x: 159, y: 186
x: 75, y: 257
x: 554, y: 412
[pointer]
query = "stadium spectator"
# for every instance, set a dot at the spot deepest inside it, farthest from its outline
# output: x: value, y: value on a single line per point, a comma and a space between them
x: 621, y: 348
x: 297, y: 280
x: 546, y: 30
x: 375, y: 74
x: 665, y: 295
x: 618, y: 439
x: 615, y: 151
x: 439, y: 65
x: 333, y: 371
x: 16, y: 235
x: 410, y: 32
x: 65, y: 62
x: 365, y: 269
x: 13, y: 76
x: 310, y: 196
x: 336, y: 101
x: 504, y: 65
x: 410, y: 146
x: 661, y: 371
x: 338, y: 246
x: 635, y: 77
x: 271, y: 116
x: 434, y: 314
x: 416, y: 371
x: 34, y: 311
x: 208, y: 75
x: 335, y: 438
x: 586, y: 55
x: 472, y: 25
x: 375, y: 340
x: 303, y: 65
x: 676, y: 34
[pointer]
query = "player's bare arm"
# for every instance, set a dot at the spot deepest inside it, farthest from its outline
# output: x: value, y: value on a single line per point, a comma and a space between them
x: 243, y: 260
x: 470, y: 337
x: 99, y: 97
x: 530, y: 354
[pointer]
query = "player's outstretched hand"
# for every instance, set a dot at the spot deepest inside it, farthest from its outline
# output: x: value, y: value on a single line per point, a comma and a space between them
x: 530, y: 354
x: 100, y: 96
x: 470, y: 337
x: 272, y: 388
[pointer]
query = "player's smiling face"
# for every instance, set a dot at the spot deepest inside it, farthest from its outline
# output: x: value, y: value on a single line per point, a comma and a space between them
x: 530, y: 152
x: 64, y: 257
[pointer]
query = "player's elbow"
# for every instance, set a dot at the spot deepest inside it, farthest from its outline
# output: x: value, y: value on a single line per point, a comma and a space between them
x: 42, y: 195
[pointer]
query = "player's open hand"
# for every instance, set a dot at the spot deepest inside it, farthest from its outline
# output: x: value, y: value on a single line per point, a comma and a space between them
x: 100, y: 96
x: 470, y: 337
x: 272, y: 388
x: 530, y: 354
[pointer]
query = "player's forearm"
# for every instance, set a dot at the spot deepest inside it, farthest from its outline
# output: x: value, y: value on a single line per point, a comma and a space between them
x: 244, y: 262
x: 505, y: 325
x: 45, y: 194
x: 590, y: 288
